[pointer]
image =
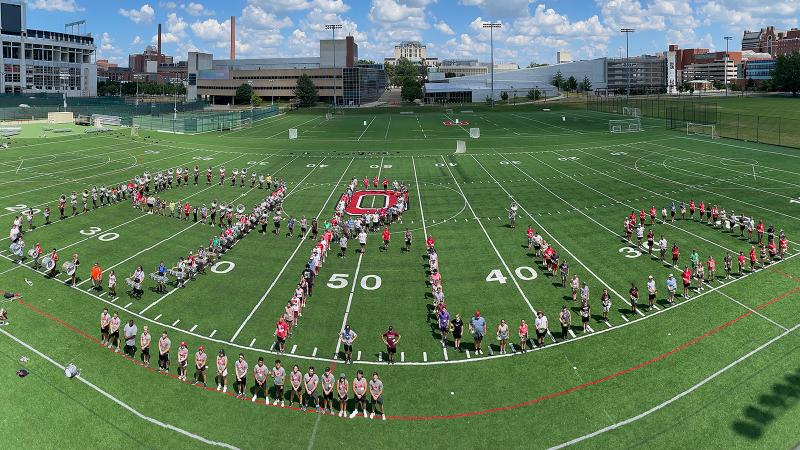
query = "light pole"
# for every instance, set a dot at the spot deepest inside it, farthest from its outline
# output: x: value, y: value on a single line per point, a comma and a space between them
x: 272, y: 91
x: 491, y: 26
x: 727, y: 41
x: 333, y: 27
x: 627, y: 32
x: 64, y: 76
x: 252, y: 92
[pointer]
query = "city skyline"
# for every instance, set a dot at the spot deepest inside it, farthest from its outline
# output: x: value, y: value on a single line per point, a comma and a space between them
x: 531, y: 31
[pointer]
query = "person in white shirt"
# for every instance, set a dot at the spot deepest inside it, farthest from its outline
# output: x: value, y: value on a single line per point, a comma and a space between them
x: 541, y: 327
x: 362, y: 240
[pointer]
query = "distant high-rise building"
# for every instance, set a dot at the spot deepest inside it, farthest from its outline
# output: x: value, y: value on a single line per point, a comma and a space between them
x: 563, y: 56
x: 413, y: 51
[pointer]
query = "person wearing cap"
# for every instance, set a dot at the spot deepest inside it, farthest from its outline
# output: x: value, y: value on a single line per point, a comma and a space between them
x: 672, y: 286
x: 310, y: 383
x: 260, y: 373
x: 651, y: 291
x: 222, y: 371
x: 342, y: 388
x: 164, y: 345
x: 477, y: 326
x: 200, y: 360
x: 359, y: 394
x: 183, y: 356
x: 391, y: 338
x: 376, y: 396
x: 347, y: 337
x: 240, y: 367
x: 327, y: 390
x: 541, y: 326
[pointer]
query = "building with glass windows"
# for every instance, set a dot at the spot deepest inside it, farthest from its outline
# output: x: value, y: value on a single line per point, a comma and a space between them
x: 44, y: 61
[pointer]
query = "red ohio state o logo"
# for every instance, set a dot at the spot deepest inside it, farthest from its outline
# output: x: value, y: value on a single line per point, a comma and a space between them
x: 372, y: 201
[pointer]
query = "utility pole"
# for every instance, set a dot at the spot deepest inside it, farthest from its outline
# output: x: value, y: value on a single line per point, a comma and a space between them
x: 727, y: 41
x: 491, y: 26
x: 627, y: 32
x: 333, y: 27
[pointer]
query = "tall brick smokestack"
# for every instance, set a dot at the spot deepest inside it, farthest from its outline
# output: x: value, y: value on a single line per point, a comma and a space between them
x: 233, y: 37
x: 159, y: 42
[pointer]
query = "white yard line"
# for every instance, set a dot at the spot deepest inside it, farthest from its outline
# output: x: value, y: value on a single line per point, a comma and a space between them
x: 489, y: 238
x: 677, y: 397
x: 119, y: 402
x: 386, y: 135
x: 752, y: 311
x: 289, y: 260
x: 367, y: 128
x: 544, y: 230
x: 176, y: 322
x: 419, y: 197
x: 194, y: 327
x: 212, y: 334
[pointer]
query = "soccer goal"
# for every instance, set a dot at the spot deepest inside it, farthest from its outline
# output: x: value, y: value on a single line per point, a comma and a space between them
x: 625, y: 125
x: 631, y: 111
x: 461, y: 147
x: 700, y: 129
x: 135, y: 131
x: 474, y: 133
x: 328, y: 116
x: 292, y: 133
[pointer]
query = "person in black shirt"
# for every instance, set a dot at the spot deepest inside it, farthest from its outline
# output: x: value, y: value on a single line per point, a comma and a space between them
x: 308, y: 275
x: 457, y: 327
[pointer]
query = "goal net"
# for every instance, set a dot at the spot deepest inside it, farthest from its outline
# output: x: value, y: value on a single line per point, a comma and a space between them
x: 625, y: 125
x: 699, y: 129
x: 292, y: 133
x: 461, y: 147
x: 328, y: 116
x: 135, y: 131
x: 474, y: 133
x: 631, y: 111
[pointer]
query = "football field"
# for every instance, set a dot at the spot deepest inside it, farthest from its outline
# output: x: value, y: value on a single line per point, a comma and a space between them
x: 717, y: 368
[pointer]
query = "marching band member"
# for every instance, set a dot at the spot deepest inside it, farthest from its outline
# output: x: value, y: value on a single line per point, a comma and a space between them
x: 54, y: 257
x: 186, y: 176
x: 97, y: 276
x: 253, y: 180
x: 196, y: 174
x: 30, y: 218
x: 62, y: 203
x: 46, y: 215
x: 37, y: 252
x: 85, y: 200
x: 191, y: 265
x: 77, y: 264
x: 242, y: 177
x: 73, y: 201
x: 221, y: 175
x: 161, y: 270
x: 209, y: 175
x: 186, y: 210
x: 181, y: 269
x: 137, y: 278
x: 112, y: 284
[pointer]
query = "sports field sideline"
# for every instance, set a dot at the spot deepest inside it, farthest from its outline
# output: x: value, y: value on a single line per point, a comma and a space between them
x: 660, y: 376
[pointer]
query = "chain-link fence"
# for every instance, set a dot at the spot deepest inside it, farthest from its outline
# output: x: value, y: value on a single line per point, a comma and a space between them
x: 677, y: 113
x: 199, y: 122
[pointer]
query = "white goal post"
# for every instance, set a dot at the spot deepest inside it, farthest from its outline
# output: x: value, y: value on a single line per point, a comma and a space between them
x: 134, y: 130
x: 625, y: 125
x: 292, y: 133
x: 328, y: 116
x: 631, y: 111
x: 461, y: 147
x: 474, y: 133
x: 700, y: 129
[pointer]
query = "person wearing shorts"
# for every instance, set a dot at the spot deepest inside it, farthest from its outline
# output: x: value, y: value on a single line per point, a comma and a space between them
x: 457, y: 327
x: 240, y: 366
x: 163, y: 352
x: 347, y: 337
x: 672, y: 286
x: 105, y: 322
x: 565, y: 319
x: 342, y: 388
x: 328, y: 382
x: 359, y: 394
x: 310, y: 384
x: 376, y: 396
x: 183, y: 355
x: 651, y: 291
x: 391, y: 338
x: 278, y: 377
x: 261, y: 374
x: 477, y: 326
x: 541, y: 328
x: 296, y: 381
x: 586, y: 311
x: 605, y: 302
x: 222, y: 371
x: 144, y: 345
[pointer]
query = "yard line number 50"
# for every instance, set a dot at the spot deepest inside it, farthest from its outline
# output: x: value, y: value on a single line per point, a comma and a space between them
x: 368, y: 282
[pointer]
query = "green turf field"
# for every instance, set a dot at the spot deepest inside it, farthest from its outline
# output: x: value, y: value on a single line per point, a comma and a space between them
x: 719, y: 369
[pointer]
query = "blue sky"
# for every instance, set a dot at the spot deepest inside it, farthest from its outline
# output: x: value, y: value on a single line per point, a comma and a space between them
x: 532, y: 30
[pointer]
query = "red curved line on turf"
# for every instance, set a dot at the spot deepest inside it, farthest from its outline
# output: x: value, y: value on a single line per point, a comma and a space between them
x: 469, y: 413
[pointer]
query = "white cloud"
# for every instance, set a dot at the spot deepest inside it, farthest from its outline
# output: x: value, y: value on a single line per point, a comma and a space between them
x: 397, y: 13
x: 136, y: 40
x: 167, y: 5
x: 142, y: 15
x: 196, y: 9
x: 337, y: 6
x: 212, y: 30
x: 105, y: 42
x: 750, y: 14
x: 443, y: 27
x: 255, y: 16
x: 55, y: 5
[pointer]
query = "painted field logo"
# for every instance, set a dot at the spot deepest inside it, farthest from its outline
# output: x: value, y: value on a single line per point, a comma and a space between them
x: 372, y: 201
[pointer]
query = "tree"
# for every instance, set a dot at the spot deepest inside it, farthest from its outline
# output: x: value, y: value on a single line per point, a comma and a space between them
x: 535, y: 64
x: 256, y: 100
x: 306, y: 91
x: 389, y: 69
x: 751, y: 84
x: 572, y: 84
x: 411, y: 90
x: 558, y: 80
x: 534, y: 94
x: 243, y: 94
x: 504, y: 96
x: 404, y: 70
x: 365, y: 62
x: 786, y: 74
x: 586, y: 84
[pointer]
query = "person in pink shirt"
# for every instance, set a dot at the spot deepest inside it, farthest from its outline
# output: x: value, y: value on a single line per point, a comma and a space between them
x: 523, y: 335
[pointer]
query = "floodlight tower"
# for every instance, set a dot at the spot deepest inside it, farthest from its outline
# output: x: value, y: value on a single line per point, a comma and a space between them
x: 491, y: 26
x: 333, y: 27
x: 627, y: 32
x: 727, y: 41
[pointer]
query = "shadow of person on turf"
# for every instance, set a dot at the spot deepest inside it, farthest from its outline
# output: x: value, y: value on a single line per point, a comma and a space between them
x: 784, y: 396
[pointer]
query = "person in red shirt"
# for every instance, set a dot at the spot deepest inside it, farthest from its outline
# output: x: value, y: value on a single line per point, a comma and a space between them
x: 784, y: 244
x: 366, y: 182
x: 632, y: 217
x: 530, y: 237
x: 687, y: 281
x: 281, y: 330
x: 772, y: 249
x: 186, y: 210
x: 385, y: 184
x: 760, y: 230
x: 375, y: 181
x: 711, y: 266
x: 652, y: 215
x: 691, y: 209
x: 714, y: 214
x: 676, y: 253
x: 741, y: 260
x: 429, y: 244
x: 386, y: 237
x: 702, y: 210
x: 753, y: 258
x: 641, y: 217
x: 391, y: 338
